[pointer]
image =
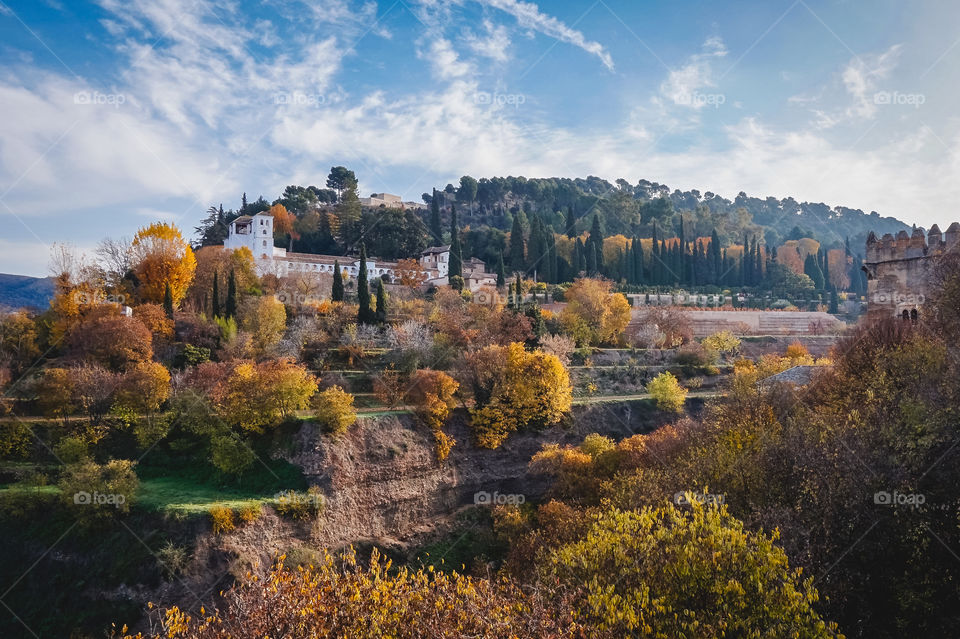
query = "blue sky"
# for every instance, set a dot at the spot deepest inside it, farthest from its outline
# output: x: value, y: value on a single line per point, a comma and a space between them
x: 114, y: 113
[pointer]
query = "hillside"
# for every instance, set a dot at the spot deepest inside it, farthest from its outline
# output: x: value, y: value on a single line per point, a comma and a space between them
x: 632, y: 209
x: 17, y: 291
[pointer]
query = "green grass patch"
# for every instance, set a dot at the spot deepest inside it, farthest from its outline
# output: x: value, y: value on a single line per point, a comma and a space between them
x: 177, y: 494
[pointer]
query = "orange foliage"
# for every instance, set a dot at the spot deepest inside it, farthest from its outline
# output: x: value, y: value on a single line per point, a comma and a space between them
x: 161, y: 257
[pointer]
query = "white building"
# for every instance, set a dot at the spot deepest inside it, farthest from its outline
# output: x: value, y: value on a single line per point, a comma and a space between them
x: 255, y: 232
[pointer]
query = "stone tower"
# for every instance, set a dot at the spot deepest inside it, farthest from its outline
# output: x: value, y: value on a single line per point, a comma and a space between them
x: 897, y: 269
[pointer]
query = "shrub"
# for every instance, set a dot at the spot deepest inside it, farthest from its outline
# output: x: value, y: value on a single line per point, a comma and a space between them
x: 299, y: 505
x: 222, y: 519
x: 667, y: 392
x: 333, y: 409
x: 722, y: 342
x: 172, y: 559
x: 96, y: 492
x: 250, y: 513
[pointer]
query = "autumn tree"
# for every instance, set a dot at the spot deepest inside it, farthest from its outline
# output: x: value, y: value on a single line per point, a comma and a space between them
x: 161, y: 257
x: 111, y: 339
x: 144, y: 387
x: 265, y: 318
x: 431, y: 392
x: 667, y: 392
x: 218, y: 262
x: 667, y: 572
x: 95, y: 492
x: 410, y: 273
x: 593, y: 314
x: 515, y: 389
x: 258, y: 395
x: 333, y: 410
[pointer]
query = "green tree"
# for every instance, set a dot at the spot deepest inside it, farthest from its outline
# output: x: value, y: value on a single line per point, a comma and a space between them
x: 517, y: 258
x: 231, y: 306
x: 168, y: 301
x: 456, y: 250
x: 436, y: 226
x: 337, y: 292
x: 501, y: 274
x: 381, y: 301
x: 216, y: 295
x: 230, y: 454
x: 365, y: 314
x: 341, y: 179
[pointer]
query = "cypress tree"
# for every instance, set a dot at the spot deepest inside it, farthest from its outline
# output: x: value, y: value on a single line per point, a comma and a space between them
x: 535, y: 252
x: 231, y: 306
x: 638, y: 261
x: 518, y: 291
x: 517, y: 259
x: 456, y: 251
x: 336, y: 294
x: 826, y: 268
x: 168, y: 300
x: 216, y: 294
x: 812, y: 269
x: 501, y: 275
x: 596, y: 238
x: 381, y: 301
x: 834, y: 301
x: 552, y: 276
x: 571, y: 223
x: 436, y: 227
x: 577, y: 255
x: 591, y: 259
x: 365, y: 314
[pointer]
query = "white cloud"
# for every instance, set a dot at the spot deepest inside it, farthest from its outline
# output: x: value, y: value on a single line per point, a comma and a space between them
x: 444, y: 59
x: 683, y: 86
x: 528, y: 16
x: 862, y: 77
x: 494, y: 44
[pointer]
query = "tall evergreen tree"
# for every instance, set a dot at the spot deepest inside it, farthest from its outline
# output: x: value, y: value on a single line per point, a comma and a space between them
x: 501, y: 274
x: 518, y: 291
x: 436, y: 226
x: 455, y: 268
x: 231, y: 305
x: 381, y: 301
x: 811, y: 268
x: 518, y: 260
x: 168, y: 300
x: 216, y: 294
x: 571, y: 223
x: 365, y: 314
x: 826, y: 269
x: 336, y: 293
x: 596, y: 238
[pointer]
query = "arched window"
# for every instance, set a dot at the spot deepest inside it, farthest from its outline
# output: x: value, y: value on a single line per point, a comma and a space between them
x: 906, y: 315
x: 913, y: 316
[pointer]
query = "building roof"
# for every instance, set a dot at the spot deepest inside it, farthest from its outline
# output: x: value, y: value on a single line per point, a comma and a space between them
x: 436, y: 249
x: 243, y: 219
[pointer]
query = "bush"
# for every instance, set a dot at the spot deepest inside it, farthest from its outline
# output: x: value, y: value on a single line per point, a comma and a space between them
x: 333, y: 410
x: 98, y: 492
x: 222, y: 519
x: 299, y: 505
x: 667, y: 392
x: 172, y: 559
x: 250, y: 513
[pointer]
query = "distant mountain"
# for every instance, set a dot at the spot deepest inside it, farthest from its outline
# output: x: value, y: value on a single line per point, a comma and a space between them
x: 20, y: 291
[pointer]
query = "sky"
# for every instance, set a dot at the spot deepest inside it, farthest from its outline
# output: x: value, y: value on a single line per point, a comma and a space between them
x: 118, y: 113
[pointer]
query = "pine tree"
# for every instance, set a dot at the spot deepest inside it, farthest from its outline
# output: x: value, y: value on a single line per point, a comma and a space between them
x: 168, y: 300
x: 231, y: 306
x: 365, y: 314
x: 455, y: 268
x: 336, y: 293
x: 571, y: 223
x: 436, y: 226
x: 517, y: 258
x: 381, y: 301
x: 501, y: 275
x: 216, y: 294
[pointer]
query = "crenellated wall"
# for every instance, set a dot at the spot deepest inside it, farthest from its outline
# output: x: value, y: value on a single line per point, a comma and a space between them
x: 897, y: 269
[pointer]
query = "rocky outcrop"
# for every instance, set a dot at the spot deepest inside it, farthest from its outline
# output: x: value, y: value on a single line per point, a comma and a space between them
x: 382, y: 482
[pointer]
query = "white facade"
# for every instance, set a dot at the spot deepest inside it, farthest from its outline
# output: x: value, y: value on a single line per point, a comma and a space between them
x: 256, y: 233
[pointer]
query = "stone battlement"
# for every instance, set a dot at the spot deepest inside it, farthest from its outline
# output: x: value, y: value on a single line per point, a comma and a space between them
x: 897, y: 269
x: 917, y: 245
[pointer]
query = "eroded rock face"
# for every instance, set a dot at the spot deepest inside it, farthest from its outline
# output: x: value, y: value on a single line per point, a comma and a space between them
x: 382, y: 482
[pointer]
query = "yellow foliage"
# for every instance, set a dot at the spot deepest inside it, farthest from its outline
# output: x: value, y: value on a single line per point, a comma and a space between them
x: 523, y: 388
x: 334, y: 409
x: 594, y: 315
x: 222, y: 519
x: 161, y: 256
x: 667, y: 392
